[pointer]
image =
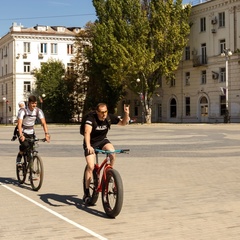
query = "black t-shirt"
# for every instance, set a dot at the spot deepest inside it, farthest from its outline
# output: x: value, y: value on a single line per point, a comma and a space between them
x: 100, y: 128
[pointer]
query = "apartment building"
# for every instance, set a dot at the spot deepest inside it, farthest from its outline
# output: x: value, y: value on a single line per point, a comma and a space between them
x: 208, y: 78
x: 24, y: 49
x: 207, y: 81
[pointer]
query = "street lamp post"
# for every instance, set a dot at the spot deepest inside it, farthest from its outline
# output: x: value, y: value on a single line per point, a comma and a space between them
x: 227, y: 53
x: 43, y: 96
x: 5, y: 100
x: 141, y: 98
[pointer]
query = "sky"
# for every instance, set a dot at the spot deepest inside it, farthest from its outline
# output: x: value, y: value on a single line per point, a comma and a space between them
x: 29, y: 13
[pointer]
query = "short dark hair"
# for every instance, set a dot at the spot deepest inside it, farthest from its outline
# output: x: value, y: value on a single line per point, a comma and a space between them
x: 32, y: 98
x: 100, y: 105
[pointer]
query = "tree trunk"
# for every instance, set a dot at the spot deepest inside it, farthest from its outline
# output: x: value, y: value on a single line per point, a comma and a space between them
x: 148, y: 115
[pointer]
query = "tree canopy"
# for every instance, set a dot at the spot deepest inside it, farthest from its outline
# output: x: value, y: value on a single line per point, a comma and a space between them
x: 132, y: 40
x: 50, y: 81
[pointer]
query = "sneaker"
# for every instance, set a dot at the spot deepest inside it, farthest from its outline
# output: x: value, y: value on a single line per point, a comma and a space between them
x: 18, y: 161
x: 13, y: 138
x: 86, y: 199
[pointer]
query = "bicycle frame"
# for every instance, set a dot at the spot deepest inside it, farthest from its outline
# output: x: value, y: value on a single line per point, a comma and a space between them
x: 101, y: 170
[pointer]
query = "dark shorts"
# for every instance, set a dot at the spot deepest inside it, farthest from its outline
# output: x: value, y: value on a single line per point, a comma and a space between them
x: 98, y: 145
x: 25, y: 144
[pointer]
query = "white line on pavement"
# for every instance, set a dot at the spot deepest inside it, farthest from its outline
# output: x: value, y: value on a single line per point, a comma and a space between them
x: 55, y: 213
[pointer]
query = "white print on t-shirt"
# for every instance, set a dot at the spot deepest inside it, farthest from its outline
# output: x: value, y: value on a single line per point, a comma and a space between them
x: 101, y: 128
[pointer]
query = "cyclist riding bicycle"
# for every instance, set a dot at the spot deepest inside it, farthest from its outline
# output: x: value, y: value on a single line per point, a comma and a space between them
x: 95, y: 136
x: 26, y: 121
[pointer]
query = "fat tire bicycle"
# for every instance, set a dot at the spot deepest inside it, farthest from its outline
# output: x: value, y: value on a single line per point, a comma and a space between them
x: 107, y: 180
x: 31, y: 165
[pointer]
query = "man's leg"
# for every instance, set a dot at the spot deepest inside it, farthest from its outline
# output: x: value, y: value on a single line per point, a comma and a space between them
x: 88, y: 175
x: 110, y: 147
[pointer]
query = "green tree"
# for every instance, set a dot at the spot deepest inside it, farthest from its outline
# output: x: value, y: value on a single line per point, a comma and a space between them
x: 135, y: 39
x: 50, y: 81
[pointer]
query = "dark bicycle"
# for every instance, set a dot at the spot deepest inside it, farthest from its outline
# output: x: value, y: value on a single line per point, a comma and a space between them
x: 107, y: 180
x: 31, y: 167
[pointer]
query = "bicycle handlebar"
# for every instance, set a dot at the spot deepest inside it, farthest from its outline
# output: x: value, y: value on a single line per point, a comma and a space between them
x: 109, y: 151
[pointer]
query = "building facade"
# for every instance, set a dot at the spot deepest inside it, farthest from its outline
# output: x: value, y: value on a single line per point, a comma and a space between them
x: 207, y: 82
x: 21, y: 51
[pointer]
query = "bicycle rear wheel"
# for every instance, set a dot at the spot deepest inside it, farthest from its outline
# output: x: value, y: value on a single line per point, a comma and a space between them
x: 92, y: 188
x: 21, y: 171
x: 112, y: 193
x: 36, y: 173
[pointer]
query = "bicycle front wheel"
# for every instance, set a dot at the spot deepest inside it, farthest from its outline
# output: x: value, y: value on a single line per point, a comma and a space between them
x: 21, y: 171
x: 36, y: 173
x: 112, y: 193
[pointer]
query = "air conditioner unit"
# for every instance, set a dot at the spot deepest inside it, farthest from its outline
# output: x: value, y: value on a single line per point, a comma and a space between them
x: 214, y: 30
x: 214, y: 21
x: 215, y: 75
x: 223, y: 90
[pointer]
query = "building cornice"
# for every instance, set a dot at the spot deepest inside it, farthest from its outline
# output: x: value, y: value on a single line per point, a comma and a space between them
x: 36, y: 37
x: 212, y: 5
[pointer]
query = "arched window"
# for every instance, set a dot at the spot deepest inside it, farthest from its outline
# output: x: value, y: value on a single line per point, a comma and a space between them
x: 203, y: 100
x: 173, y: 108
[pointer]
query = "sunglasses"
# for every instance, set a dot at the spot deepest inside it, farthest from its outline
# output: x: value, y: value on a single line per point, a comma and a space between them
x: 103, y: 111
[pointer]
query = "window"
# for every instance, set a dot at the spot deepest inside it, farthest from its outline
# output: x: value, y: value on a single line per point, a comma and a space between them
x: 26, y: 67
x: 159, y: 111
x: 187, y: 53
x: 222, y: 74
x: 26, y: 47
x: 6, y: 52
x: 172, y: 82
x: 6, y: 88
x: 187, y: 106
x: 136, y: 111
x: 27, y: 86
x: 70, y: 68
x: 221, y: 17
x: 222, y: 45
x: 204, y: 53
x: 69, y: 49
x: 203, y: 77
x: 43, y: 48
x: 6, y: 69
x: 222, y: 105
x: 187, y: 78
x: 53, y: 48
x: 173, y: 108
x: 203, y: 24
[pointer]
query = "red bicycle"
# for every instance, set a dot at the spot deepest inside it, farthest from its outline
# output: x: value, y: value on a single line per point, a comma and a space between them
x: 107, y: 180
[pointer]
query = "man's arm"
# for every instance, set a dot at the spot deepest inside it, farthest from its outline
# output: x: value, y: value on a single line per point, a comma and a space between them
x: 87, y: 138
x: 126, y: 118
x: 19, y: 124
x: 45, y: 128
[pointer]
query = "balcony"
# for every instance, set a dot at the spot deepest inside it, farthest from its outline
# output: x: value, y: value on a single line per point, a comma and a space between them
x: 199, y: 60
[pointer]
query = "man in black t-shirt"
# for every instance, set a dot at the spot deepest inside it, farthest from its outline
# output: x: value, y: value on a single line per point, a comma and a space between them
x: 95, y: 136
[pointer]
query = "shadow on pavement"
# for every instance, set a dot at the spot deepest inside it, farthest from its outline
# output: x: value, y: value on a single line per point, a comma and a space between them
x: 57, y: 200
x: 12, y: 181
